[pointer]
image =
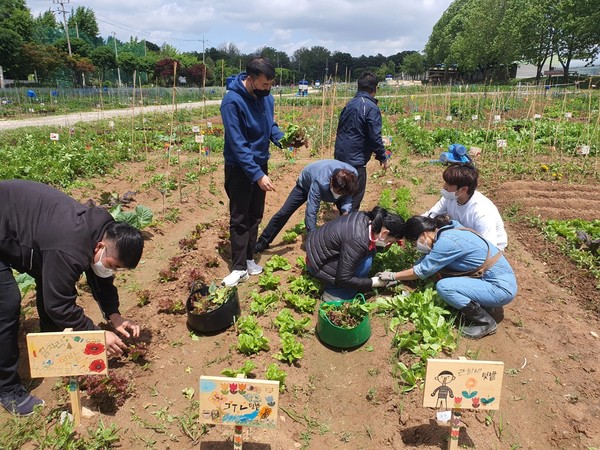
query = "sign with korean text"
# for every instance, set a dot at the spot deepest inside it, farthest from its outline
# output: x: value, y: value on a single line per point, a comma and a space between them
x: 67, y: 353
x: 463, y: 384
x: 54, y: 137
x: 239, y: 401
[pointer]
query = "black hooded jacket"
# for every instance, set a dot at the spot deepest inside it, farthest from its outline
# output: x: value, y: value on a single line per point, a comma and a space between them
x: 52, y: 237
x: 335, y: 250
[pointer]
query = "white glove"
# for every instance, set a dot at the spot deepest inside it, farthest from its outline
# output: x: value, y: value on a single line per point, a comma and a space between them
x: 378, y: 282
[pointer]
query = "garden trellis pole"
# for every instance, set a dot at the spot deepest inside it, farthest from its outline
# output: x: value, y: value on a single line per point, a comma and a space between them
x: 333, y: 102
x: 133, y: 114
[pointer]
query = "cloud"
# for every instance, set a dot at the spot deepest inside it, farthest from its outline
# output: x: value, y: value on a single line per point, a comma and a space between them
x: 357, y: 27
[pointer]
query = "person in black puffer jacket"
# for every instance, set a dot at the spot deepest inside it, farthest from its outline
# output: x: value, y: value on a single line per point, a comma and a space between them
x: 341, y: 252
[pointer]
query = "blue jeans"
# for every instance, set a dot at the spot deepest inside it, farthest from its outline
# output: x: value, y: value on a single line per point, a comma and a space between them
x: 342, y: 293
x: 294, y: 201
x: 498, y: 287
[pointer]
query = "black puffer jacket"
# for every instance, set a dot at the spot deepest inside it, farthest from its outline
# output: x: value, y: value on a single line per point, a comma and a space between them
x: 335, y: 250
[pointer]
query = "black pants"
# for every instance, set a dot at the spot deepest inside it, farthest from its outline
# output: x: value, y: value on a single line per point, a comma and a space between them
x: 362, y: 185
x: 294, y: 201
x: 246, y: 208
x: 10, y: 310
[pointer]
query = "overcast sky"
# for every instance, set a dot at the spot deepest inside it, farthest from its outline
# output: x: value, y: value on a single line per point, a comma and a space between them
x: 357, y: 27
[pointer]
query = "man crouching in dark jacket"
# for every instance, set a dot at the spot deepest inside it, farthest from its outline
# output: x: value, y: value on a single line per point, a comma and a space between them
x: 53, y: 238
x: 340, y: 253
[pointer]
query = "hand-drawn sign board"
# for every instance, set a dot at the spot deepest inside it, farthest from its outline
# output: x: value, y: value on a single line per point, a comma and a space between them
x: 67, y: 353
x: 239, y: 401
x: 463, y: 384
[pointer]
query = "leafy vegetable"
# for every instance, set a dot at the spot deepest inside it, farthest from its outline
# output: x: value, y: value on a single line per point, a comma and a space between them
x: 268, y: 281
x: 217, y: 295
x: 245, y: 370
x: 251, y: 337
x: 291, y: 350
x: 141, y: 217
x: 262, y: 303
x: 305, y: 284
x: 287, y: 324
x: 277, y: 262
x: 300, y: 303
x: 274, y: 373
x: 294, y: 136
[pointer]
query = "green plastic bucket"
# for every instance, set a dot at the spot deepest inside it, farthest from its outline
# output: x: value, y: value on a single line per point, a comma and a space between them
x: 339, y: 337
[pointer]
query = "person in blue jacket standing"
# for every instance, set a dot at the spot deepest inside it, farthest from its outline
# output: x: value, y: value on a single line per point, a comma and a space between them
x: 328, y: 181
x: 247, y: 113
x: 359, y: 133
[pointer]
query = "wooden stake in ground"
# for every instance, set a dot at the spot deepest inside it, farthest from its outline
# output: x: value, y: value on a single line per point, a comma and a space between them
x: 68, y: 354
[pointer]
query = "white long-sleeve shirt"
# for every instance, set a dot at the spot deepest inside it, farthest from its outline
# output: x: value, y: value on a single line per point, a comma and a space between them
x: 479, y: 213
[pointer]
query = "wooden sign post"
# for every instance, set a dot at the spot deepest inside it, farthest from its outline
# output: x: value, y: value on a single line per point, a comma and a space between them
x: 239, y: 402
x: 68, y: 354
x: 462, y: 384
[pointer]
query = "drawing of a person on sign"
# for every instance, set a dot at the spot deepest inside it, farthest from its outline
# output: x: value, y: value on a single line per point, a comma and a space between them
x: 445, y: 377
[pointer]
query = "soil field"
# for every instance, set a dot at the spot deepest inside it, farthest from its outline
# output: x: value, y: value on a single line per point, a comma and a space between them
x: 350, y: 399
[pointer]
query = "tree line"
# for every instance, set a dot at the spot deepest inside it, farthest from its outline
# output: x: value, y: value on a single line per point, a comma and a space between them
x: 40, y: 48
x: 488, y: 36
x: 480, y: 39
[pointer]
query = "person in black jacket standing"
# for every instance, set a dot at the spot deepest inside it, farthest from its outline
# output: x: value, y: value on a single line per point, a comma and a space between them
x: 340, y: 253
x: 55, y: 239
x: 359, y: 133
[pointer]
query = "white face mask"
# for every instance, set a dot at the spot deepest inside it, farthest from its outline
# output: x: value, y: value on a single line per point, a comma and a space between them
x: 449, y: 195
x: 99, y: 269
x: 381, y: 243
x: 336, y: 196
x: 423, y: 248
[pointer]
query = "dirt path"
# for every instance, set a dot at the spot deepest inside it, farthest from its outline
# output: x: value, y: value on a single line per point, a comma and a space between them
x: 69, y: 119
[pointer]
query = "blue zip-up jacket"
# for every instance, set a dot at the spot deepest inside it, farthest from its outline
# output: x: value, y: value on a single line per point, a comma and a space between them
x: 315, y: 180
x: 249, y: 126
x: 359, y: 131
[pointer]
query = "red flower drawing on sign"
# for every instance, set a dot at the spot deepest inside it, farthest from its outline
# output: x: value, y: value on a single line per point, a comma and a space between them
x: 97, y: 366
x: 93, y: 348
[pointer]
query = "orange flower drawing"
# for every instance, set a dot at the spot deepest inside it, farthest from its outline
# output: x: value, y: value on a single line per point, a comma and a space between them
x: 471, y: 383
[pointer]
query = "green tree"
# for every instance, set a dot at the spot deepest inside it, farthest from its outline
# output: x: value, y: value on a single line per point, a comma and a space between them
x: 414, y: 64
x: 46, y: 29
x: 103, y: 58
x: 10, y: 50
x: 129, y: 63
x: 43, y: 60
x: 83, y: 24
x: 576, y: 31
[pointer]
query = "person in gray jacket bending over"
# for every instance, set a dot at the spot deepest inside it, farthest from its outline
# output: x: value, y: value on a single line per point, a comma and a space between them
x: 328, y: 181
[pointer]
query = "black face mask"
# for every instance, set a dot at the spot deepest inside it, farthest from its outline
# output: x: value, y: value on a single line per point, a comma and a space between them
x: 261, y: 92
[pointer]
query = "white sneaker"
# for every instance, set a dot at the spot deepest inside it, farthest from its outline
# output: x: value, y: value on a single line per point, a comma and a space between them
x: 235, y: 277
x: 253, y: 268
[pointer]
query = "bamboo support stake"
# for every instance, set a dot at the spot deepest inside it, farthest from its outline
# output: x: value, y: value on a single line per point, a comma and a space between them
x: 322, y: 124
x: 143, y: 119
x: 333, y: 98
x: 133, y: 114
